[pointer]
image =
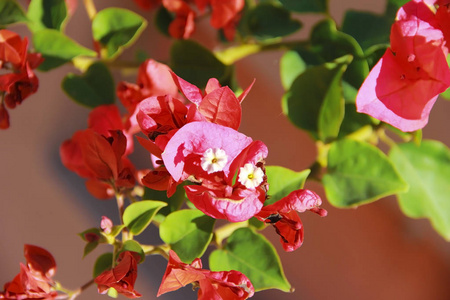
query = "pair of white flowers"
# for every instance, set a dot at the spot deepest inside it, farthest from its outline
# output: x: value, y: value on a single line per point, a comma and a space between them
x: 215, y: 159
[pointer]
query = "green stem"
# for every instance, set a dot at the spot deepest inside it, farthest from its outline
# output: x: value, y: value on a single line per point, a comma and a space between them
x: 162, y: 250
x: 226, y: 230
x: 70, y: 295
x: 90, y: 9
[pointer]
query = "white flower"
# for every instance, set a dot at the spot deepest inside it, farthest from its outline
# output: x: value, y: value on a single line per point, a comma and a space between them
x: 251, y: 176
x: 214, y: 160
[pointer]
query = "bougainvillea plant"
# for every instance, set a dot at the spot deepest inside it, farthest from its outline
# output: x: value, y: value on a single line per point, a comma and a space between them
x: 349, y: 89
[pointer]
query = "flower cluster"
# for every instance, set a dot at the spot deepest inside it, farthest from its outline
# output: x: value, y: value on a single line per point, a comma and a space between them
x: 34, y: 280
x: 20, y: 81
x: 225, y: 14
x: 403, y: 86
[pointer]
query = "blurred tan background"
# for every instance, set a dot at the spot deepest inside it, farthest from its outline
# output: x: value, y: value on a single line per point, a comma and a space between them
x: 373, y: 252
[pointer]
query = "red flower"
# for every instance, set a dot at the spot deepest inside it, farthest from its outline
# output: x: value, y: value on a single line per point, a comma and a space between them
x: 122, y: 277
x: 183, y: 26
x: 34, y: 280
x: 283, y: 216
x: 211, y: 156
x: 21, y: 81
x: 231, y: 285
x: 226, y: 15
x: 403, y: 86
x: 148, y: 4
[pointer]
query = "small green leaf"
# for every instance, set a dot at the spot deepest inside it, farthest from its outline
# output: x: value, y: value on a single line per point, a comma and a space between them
x: 173, y: 203
x: 57, y: 49
x: 252, y: 254
x: 112, y: 292
x: 116, y: 29
x: 49, y: 14
x: 282, y: 181
x: 11, y: 12
x: 291, y: 65
x: 315, y: 102
x: 163, y: 18
x: 138, y: 215
x: 196, y: 64
x: 95, y: 87
x: 353, y: 120
x: 310, y: 6
x: 103, y: 263
x: 359, y: 173
x: 89, y: 248
x: 188, y: 232
x: 426, y: 168
x: 133, y: 246
x: 266, y: 21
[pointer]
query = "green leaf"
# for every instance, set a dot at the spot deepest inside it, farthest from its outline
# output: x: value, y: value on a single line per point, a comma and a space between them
x: 195, y: 63
x: 331, y: 44
x: 103, y: 263
x: 282, y: 181
x: 89, y: 248
x: 315, y: 102
x: 301, y: 6
x: 367, y: 28
x: 57, y: 49
x: 426, y: 168
x: 291, y: 65
x: 163, y: 18
x: 138, y: 215
x: 11, y: 12
x: 359, y: 173
x: 266, y: 21
x: 133, y: 246
x: 116, y: 29
x: 49, y: 14
x: 188, y: 232
x: 173, y: 203
x: 352, y: 120
x: 253, y: 255
x: 95, y: 87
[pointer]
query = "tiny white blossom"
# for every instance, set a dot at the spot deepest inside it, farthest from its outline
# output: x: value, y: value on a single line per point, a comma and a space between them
x: 214, y: 160
x: 251, y: 176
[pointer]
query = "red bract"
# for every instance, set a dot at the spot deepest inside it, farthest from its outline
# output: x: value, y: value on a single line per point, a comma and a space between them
x: 153, y: 79
x: 403, y: 86
x: 148, y: 4
x: 226, y: 15
x: 21, y: 82
x: 210, y: 155
x: 100, y: 159
x: 122, y: 277
x: 231, y: 285
x: 283, y: 216
x: 183, y: 25
x: 34, y: 280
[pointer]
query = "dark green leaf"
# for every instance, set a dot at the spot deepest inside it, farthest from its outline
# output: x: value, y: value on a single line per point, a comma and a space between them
x: 427, y: 170
x: 138, y: 215
x: 353, y: 120
x: 282, y: 181
x: 188, y: 232
x: 89, y: 248
x: 266, y: 21
x: 11, y: 12
x: 103, y: 263
x: 331, y: 44
x: 315, y: 102
x: 196, y: 64
x: 359, y: 173
x: 57, y: 49
x: 95, y: 87
x: 163, y: 18
x: 133, y: 246
x: 367, y: 28
x: 49, y: 14
x: 303, y: 6
x: 253, y: 255
x: 115, y: 29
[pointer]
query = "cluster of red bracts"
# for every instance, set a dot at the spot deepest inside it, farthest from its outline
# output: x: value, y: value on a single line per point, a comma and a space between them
x: 403, y: 86
x: 225, y: 14
x: 20, y: 81
x: 34, y: 280
x: 193, y: 139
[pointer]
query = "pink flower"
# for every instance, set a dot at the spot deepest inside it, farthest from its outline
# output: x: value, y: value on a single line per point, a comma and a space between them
x: 231, y: 285
x: 283, y: 216
x: 403, y: 86
x: 211, y: 155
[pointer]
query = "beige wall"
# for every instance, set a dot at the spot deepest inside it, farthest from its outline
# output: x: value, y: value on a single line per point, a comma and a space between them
x: 372, y: 252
